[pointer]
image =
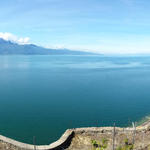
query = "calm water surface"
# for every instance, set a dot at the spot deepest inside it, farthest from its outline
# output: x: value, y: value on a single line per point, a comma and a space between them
x: 42, y: 96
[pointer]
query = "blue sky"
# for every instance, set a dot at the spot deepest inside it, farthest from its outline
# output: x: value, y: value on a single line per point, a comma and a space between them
x: 104, y: 26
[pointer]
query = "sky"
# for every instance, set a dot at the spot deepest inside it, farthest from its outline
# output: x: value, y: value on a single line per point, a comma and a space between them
x: 103, y: 26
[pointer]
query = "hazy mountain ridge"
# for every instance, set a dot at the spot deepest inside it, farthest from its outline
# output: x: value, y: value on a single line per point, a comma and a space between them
x: 10, y: 48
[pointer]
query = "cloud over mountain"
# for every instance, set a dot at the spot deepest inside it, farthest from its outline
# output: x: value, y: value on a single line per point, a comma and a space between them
x: 13, y: 38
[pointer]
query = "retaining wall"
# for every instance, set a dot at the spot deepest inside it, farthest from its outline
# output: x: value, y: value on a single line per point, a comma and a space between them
x: 66, y: 139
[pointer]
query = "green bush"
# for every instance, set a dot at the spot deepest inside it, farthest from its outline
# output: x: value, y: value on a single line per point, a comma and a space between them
x: 99, y: 145
x: 126, y: 146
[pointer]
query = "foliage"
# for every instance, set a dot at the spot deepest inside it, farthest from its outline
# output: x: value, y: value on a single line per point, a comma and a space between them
x: 148, y: 147
x: 99, y: 145
x: 126, y: 146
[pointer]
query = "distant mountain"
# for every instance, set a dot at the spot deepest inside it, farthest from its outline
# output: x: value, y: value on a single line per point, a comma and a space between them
x: 10, y: 48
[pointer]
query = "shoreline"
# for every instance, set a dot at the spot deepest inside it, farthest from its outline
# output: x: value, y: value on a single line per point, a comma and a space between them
x: 143, y: 120
x: 67, y: 137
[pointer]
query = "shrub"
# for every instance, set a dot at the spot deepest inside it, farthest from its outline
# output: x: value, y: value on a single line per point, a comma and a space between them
x: 126, y: 146
x: 99, y: 145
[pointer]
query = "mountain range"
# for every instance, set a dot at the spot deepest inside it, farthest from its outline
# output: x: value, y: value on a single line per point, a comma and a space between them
x: 11, y: 48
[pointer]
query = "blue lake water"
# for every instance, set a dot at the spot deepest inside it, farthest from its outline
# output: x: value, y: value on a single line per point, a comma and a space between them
x: 43, y: 96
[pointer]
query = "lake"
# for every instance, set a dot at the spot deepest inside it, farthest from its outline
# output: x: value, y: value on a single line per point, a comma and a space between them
x: 42, y: 96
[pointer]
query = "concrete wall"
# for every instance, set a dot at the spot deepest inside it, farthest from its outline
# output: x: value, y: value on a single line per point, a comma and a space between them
x: 62, y: 143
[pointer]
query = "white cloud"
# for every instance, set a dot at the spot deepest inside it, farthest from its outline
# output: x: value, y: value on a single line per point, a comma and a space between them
x: 13, y: 38
x: 24, y: 40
